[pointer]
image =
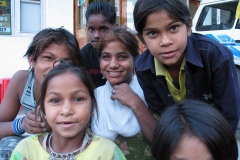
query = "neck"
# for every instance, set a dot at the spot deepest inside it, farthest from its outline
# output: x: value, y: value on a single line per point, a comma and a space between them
x: 65, y: 145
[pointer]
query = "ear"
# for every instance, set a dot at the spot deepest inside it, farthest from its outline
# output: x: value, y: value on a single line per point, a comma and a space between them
x: 189, y: 27
x: 31, y: 61
x: 189, y: 31
x: 141, y: 38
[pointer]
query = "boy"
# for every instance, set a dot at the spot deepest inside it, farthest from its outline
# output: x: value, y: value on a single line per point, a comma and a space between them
x: 100, y: 17
x: 180, y: 65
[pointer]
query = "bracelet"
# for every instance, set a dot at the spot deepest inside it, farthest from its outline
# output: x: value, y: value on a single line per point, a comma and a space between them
x: 17, y: 126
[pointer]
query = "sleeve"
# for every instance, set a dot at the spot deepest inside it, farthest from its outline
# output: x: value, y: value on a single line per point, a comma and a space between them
x: 118, y: 155
x: 147, y: 81
x: 16, y: 155
x: 225, y: 87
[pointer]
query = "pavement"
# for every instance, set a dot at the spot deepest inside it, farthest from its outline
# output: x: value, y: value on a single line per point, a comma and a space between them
x: 21, y: 114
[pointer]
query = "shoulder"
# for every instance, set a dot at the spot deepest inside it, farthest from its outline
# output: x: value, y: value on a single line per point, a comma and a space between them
x: 206, y: 43
x: 86, y: 48
x: 144, y: 61
x: 202, y: 48
x: 101, y: 141
x: 19, y: 79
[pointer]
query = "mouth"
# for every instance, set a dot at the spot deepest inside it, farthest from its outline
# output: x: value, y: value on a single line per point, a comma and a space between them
x: 67, y: 123
x: 114, y: 74
x: 168, y: 54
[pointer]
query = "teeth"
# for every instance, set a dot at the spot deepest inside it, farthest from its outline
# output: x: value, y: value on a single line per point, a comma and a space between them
x: 114, y: 73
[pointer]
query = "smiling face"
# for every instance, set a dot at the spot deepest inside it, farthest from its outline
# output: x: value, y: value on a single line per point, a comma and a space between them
x: 46, y: 59
x: 97, y: 27
x: 116, y: 63
x: 67, y: 106
x: 191, y: 147
x: 166, y: 38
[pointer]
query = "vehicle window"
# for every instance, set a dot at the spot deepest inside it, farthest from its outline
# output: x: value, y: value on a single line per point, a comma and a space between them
x: 217, y: 17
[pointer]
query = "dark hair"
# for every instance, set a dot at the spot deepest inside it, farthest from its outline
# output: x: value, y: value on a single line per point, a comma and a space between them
x: 62, y: 67
x: 59, y: 36
x: 177, y: 9
x: 198, y: 119
x: 123, y: 35
x: 106, y: 9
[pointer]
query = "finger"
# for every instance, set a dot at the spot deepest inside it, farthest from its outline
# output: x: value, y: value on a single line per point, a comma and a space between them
x: 113, y: 97
x: 38, y: 115
x: 113, y: 92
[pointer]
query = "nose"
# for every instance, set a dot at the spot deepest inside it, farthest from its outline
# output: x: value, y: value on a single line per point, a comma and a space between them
x: 165, y: 40
x: 96, y: 35
x: 113, y: 63
x: 66, y: 109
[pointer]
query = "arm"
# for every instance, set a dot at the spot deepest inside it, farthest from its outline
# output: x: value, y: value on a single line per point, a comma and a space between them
x: 125, y: 95
x: 11, y: 102
x: 226, y: 89
x: 9, y: 107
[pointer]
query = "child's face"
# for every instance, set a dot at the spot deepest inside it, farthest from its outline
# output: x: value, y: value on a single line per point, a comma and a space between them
x: 116, y: 63
x: 46, y: 59
x: 67, y: 106
x: 166, y: 38
x: 97, y: 27
x: 191, y: 147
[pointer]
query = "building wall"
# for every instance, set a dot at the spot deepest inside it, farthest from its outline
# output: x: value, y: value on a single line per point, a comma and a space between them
x: 57, y: 13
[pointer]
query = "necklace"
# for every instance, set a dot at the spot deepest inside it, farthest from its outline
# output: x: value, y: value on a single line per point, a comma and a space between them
x: 66, y: 156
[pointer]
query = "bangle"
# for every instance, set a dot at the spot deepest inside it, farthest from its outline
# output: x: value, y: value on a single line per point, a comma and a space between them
x: 17, y: 126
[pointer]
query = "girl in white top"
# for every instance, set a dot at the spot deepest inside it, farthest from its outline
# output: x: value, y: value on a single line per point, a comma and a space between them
x: 122, y: 110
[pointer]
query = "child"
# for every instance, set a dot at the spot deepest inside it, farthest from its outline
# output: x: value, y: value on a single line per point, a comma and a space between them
x: 123, y: 116
x: 193, y: 130
x: 66, y: 102
x: 179, y: 65
x: 100, y: 17
x: 47, y: 46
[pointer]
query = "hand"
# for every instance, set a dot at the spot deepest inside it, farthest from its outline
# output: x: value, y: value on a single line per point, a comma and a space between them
x: 33, y: 123
x: 124, y: 94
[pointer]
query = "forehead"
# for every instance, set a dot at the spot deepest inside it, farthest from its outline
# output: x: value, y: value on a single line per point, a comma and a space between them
x: 114, y: 47
x: 97, y: 20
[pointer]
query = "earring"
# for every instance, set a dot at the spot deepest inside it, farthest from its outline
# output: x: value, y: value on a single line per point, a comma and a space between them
x: 102, y: 75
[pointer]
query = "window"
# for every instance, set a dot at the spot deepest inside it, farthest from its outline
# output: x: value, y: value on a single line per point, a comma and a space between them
x: 30, y: 12
x: 217, y: 17
x: 20, y: 17
x: 5, y: 17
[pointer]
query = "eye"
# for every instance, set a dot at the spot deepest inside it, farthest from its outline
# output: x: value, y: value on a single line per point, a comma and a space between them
x: 174, y: 28
x: 48, y: 58
x: 90, y: 29
x: 54, y: 100
x: 123, y: 57
x: 104, y: 29
x: 105, y: 56
x: 78, y: 99
x: 152, y: 33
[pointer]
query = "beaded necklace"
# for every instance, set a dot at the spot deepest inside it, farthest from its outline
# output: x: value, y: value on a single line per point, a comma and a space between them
x: 66, y: 156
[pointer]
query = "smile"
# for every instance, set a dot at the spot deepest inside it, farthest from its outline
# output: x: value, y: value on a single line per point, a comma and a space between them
x: 114, y: 73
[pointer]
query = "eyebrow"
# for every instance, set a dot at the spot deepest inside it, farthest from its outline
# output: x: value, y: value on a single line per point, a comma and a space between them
x: 116, y: 53
x: 57, y: 93
x: 169, y: 24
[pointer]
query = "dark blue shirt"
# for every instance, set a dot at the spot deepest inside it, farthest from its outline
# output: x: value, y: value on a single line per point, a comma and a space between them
x: 210, y: 76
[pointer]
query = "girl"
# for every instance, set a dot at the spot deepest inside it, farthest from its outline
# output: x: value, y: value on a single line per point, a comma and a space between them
x: 123, y: 113
x: 66, y: 102
x: 100, y: 17
x: 47, y: 46
x: 180, y: 65
x: 193, y: 130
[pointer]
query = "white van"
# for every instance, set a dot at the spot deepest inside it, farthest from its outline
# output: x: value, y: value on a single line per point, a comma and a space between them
x: 216, y: 19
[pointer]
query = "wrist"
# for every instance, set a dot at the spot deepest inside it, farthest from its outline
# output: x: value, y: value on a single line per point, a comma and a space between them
x: 17, y: 126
